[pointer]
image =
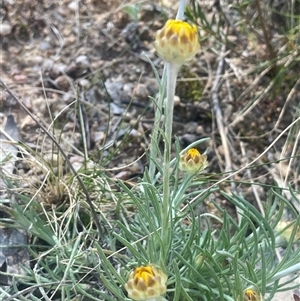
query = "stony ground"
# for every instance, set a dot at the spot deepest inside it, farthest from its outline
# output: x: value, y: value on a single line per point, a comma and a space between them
x: 82, y: 67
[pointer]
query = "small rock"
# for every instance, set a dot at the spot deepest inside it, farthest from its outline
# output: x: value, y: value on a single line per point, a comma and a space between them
x: 39, y: 105
x: 68, y: 97
x: 135, y: 133
x: 58, y: 69
x: 47, y: 64
x: 123, y: 175
x: 128, y: 88
x: 5, y: 28
x: 135, y: 167
x: 145, y: 34
x: 176, y: 100
x: 82, y: 62
x: 72, y: 70
x: 63, y: 82
x: 113, y: 88
x: 84, y: 83
x: 221, y: 151
x: 53, y: 159
x: 152, y: 85
x: 133, y: 121
x: 36, y: 59
x: 44, y: 46
x: 210, y: 57
x: 27, y: 121
x: 99, y: 136
x: 78, y: 161
x: 116, y: 110
x: 73, y: 5
x: 20, y: 78
x: 141, y: 91
x: 199, y: 130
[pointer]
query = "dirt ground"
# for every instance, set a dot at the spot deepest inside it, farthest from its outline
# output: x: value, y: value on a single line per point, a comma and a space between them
x: 93, y: 52
x: 82, y: 67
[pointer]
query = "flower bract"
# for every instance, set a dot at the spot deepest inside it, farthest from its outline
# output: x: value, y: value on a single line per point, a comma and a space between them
x: 177, y: 42
x: 146, y: 283
x: 192, y: 161
x: 252, y: 295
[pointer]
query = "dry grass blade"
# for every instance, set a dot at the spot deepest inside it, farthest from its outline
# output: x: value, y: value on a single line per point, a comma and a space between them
x: 49, y: 134
x: 8, y: 150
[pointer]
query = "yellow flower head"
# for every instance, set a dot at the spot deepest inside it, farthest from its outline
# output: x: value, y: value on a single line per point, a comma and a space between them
x: 177, y: 42
x: 251, y: 295
x: 192, y: 161
x: 146, y: 282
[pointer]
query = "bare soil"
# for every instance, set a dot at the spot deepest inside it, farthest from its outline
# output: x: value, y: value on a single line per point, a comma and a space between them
x: 82, y: 67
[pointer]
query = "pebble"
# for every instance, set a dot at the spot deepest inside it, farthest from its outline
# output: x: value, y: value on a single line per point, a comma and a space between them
x: 152, y: 85
x: 123, y: 175
x: 113, y: 88
x: 84, y: 83
x: 221, y: 151
x: 145, y: 34
x: 68, y: 97
x: 36, y: 59
x: 116, y: 110
x: 141, y: 91
x: 135, y: 133
x: 176, y: 100
x: 128, y: 88
x: 73, y: 5
x: 44, y: 45
x: 199, y: 130
x: 135, y: 167
x: 58, y: 68
x: 82, y: 62
x: 47, y: 64
x: 5, y: 28
x: 20, y: 78
x: 72, y: 69
x: 63, y: 82
x: 99, y: 136
x: 52, y: 159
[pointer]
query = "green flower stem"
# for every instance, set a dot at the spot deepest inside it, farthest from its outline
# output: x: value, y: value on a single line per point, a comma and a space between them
x: 181, y: 9
x: 155, y: 136
x: 172, y: 71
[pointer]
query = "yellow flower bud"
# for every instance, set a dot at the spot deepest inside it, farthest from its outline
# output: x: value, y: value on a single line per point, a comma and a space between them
x: 177, y: 42
x: 252, y: 295
x: 192, y: 161
x: 146, y: 282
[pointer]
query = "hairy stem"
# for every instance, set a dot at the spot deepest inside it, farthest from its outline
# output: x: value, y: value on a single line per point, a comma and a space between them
x: 172, y: 71
x: 181, y: 9
x: 155, y: 136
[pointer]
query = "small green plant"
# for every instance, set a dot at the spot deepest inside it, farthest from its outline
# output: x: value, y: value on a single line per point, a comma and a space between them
x: 160, y: 244
x: 132, y: 10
